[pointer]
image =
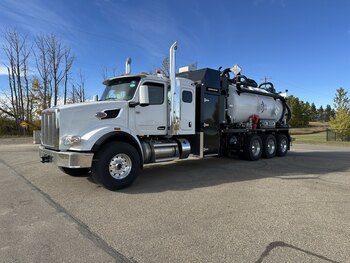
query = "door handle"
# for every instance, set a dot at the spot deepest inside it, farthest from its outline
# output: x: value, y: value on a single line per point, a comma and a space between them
x: 137, y: 112
x: 205, y: 125
x: 161, y: 128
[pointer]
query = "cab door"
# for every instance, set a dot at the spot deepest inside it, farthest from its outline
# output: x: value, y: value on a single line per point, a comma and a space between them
x: 187, y: 111
x: 152, y: 119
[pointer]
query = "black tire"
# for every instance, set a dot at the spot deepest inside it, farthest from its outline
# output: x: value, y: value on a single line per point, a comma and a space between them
x: 252, y: 148
x: 282, y: 144
x: 75, y: 171
x: 122, y: 172
x: 269, y: 146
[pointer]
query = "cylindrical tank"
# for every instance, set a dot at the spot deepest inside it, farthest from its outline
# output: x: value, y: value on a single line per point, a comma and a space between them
x: 242, y: 105
x: 165, y: 150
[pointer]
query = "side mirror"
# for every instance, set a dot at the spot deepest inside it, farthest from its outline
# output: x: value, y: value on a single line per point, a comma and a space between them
x: 143, y: 95
x: 95, y: 98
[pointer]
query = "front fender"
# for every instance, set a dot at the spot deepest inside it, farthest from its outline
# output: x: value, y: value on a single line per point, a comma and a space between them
x: 93, y: 139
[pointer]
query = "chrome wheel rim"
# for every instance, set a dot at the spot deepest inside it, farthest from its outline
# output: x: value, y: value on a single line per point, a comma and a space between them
x: 283, y: 145
x: 120, y: 166
x: 256, y: 148
x: 271, y: 146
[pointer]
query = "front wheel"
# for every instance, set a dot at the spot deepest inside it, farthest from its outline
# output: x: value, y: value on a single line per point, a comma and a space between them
x: 116, y: 165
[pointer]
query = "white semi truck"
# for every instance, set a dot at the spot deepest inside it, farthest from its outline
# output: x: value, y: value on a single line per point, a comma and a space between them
x: 142, y: 119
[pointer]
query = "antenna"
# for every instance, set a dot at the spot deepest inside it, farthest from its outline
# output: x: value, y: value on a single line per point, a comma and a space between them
x: 266, y: 78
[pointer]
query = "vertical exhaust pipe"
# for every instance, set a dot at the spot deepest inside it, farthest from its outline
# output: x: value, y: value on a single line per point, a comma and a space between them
x: 128, y: 66
x: 174, y: 118
x: 172, y: 66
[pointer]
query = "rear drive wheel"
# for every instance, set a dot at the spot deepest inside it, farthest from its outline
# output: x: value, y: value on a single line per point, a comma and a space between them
x: 75, y: 171
x: 269, y: 146
x: 116, y: 165
x: 253, y: 148
x: 282, y: 144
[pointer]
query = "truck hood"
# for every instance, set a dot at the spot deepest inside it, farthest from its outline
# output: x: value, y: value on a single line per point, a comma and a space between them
x: 91, y: 105
x: 80, y: 119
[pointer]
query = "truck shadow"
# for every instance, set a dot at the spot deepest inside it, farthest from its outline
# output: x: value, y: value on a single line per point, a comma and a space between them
x: 189, y: 174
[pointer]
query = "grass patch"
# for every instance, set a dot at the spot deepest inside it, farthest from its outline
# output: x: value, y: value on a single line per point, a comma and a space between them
x: 318, y: 138
x: 314, y: 127
x: 311, y: 138
x: 318, y: 124
x: 307, y: 130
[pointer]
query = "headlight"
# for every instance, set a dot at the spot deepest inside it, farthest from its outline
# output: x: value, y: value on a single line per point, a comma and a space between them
x: 71, y: 140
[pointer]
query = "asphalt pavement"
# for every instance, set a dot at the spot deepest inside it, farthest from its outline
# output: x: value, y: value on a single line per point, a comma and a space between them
x: 290, y: 209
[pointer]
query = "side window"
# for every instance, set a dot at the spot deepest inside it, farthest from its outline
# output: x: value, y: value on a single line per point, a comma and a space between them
x: 187, y: 96
x: 155, y: 93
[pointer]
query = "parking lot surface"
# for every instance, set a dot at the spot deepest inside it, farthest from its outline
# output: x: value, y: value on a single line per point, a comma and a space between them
x: 290, y: 209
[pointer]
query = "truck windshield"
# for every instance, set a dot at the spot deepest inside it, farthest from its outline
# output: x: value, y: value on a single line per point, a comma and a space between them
x: 121, y: 89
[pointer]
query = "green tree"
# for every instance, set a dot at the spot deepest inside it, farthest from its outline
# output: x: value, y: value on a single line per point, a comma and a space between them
x: 306, y: 113
x: 313, y: 112
x: 300, y: 112
x: 320, y: 114
x: 328, y: 113
x: 341, y: 122
x: 341, y: 100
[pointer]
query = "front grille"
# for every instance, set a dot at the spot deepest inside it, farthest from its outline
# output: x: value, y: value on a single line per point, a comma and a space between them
x: 49, y: 129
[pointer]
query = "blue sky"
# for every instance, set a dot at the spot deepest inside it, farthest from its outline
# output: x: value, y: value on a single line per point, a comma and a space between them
x: 303, y: 45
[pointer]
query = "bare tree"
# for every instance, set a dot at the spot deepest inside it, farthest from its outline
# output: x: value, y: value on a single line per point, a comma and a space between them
x: 54, y: 63
x: 105, y: 72
x: 17, y: 103
x: 43, y: 67
x: 164, y: 67
x: 27, y: 95
x: 81, y: 87
x: 68, y: 62
x: 77, y: 93
x: 56, y: 54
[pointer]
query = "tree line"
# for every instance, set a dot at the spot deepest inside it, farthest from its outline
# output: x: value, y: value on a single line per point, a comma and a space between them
x: 39, y: 77
x: 338, y: 116
x: 304, y: 112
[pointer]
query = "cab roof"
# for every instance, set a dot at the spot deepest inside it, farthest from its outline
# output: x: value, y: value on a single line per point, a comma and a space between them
x: 148, y: 76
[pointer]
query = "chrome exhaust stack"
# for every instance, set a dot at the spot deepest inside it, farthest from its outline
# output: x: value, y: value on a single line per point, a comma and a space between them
x: 128, y: 66
x: 174, y: 113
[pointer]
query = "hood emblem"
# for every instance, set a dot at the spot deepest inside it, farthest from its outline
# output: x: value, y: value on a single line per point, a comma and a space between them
x: 101, y: 115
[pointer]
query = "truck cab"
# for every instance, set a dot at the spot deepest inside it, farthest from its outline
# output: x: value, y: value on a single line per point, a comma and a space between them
x: 133, y: 114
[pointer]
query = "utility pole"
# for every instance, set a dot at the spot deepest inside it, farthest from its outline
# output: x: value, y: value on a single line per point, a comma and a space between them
x: 266, y: 78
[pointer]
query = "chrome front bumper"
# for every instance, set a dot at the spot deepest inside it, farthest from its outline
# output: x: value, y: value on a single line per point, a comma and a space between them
x: 66, y: 159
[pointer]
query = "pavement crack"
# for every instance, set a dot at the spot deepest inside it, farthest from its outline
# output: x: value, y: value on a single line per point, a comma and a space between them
x: 82, y: 227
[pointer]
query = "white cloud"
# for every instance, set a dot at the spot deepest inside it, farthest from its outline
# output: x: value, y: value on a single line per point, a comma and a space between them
x: 147, y: 28
x: 3, y: 70
x: 33, y: 17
